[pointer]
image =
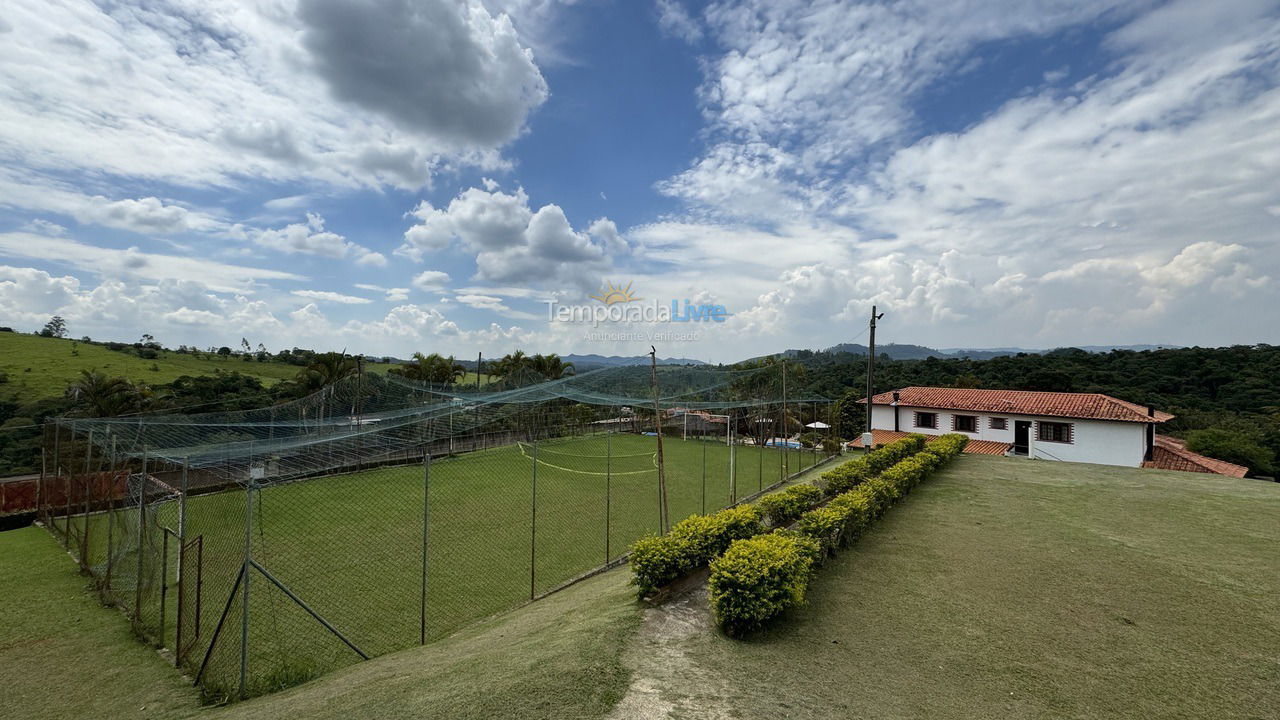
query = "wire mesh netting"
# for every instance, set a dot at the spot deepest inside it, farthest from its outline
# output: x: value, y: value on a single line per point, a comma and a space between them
x: 265, y: 547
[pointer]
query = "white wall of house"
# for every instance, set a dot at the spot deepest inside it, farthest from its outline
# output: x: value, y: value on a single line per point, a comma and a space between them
x: 1106, y: 442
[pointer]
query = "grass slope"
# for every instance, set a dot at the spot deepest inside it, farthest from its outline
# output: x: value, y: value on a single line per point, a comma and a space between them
x: 63, y: 655
x: 43, y: 367
x: 1010, y: 588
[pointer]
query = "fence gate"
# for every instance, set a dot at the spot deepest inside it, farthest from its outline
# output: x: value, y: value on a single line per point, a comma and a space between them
x: 190, y: 588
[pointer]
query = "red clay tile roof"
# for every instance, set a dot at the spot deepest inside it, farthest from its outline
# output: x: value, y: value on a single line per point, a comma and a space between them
x: 1170, y: 453
x: 1091, y: 406
x: 977, y: 447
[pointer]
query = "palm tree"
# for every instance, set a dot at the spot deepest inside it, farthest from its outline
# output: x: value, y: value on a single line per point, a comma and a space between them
x: 101, y: 396
x: 327, y: 369
x: 551, y: 366
x: 433, y: 368
x: 510, y: 364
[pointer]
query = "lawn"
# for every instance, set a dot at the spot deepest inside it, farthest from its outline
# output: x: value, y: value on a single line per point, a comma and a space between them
x: 39, y: 367
x: 1013, y: 588
x: 998, y: 588
x: 350, y: 545
x: 64, y: 656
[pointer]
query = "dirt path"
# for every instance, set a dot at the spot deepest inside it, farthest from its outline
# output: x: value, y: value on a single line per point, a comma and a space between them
x: 665, y: 681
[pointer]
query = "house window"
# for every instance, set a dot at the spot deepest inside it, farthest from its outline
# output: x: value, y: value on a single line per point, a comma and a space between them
x: 1054, y: 432
x: 926, y: 420
x: 999, y: 423
x: 965, y: 423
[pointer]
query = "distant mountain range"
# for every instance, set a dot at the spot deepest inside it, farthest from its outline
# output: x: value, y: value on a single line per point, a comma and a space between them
x: 920, y: 352
x: 590, y: 362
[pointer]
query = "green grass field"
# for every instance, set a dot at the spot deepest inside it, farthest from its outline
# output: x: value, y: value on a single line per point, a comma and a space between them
x: 997, y: 588
x: 43, y: 367
x: 1015, y: 589
x: 351, y: 545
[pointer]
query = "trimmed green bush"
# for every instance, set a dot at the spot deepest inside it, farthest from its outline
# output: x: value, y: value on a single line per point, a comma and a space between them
x: 760, y: 578
x: 657, y: 560
x: 784, y: 507
x: 850, y: 474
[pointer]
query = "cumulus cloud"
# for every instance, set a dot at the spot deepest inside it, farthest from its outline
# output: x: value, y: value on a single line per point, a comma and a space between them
x: 513, y: 243
x: 431, y: 280
x: 212, y: 93
x: 447, y: 69
x: 311, y: 238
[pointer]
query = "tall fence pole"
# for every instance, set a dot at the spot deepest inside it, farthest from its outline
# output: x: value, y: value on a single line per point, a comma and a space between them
x: 142, y: 526
x: 111, y: 517
x: 84, y: 534
x: 66, y: 511
x: 426, y: 530
x: 608, y: 487
x: 244, y: 611
x: 533, y: 524
x: 704, y: 476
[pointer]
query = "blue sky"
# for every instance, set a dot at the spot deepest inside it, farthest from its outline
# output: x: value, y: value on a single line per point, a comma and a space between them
x: 390, y: 177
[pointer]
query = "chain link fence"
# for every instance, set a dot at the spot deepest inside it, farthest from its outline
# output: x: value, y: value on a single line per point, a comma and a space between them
x: 264, y: 548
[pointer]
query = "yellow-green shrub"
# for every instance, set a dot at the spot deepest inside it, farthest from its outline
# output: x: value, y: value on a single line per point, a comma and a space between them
x: 757, y: 579
x: 784, y: 507
x: 657, y: 560
x: 849, y: 474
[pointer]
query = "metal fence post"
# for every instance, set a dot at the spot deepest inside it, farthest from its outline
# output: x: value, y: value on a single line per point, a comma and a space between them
x: 426, y: 529
x: 608, y: 487
x: 111, y: 517
x: 704, y: 476
x: 142, y: 525
x: 533, y: 525
x: 84, y: 534
x: 244, y: 612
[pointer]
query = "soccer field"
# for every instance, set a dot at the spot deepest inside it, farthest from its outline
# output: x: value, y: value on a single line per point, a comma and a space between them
x: 351, y: 546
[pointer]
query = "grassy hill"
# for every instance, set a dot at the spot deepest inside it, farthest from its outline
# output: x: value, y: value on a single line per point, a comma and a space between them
x: 39, y: 367
x: 998, y: 588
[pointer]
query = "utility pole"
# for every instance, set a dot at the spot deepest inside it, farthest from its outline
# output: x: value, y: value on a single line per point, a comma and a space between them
x: 868, y: 440
x: 663, y: 518
x: 479, y: 364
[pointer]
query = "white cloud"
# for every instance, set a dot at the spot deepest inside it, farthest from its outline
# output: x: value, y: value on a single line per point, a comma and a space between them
x: 431, y: 280
x: 674, y: 20
x: 333, y: 297
x: 391, y: 294
x: 512, y: 242
x: 311, y: 238
x: 132, y: 263
x: 210, y: 93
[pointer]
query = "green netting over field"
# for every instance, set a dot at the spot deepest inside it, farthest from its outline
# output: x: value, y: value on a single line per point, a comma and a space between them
x: 267, y: 546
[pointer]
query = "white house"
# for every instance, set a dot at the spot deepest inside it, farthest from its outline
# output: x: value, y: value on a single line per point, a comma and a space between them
x: 1075, y: 427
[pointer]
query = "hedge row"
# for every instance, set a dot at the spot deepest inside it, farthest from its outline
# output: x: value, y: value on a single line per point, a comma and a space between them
x: 756, y: 580
x: 657, y: 560
x: 854, y: 472
x: 782, y: 508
